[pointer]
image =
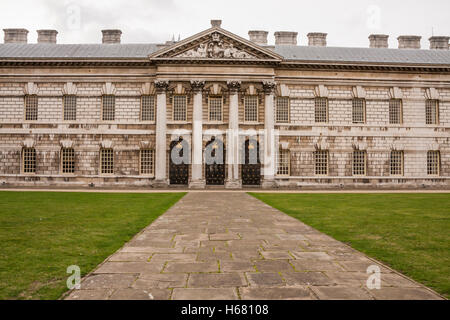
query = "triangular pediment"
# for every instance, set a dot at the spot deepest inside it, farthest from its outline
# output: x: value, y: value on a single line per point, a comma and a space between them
x: 216, y: 44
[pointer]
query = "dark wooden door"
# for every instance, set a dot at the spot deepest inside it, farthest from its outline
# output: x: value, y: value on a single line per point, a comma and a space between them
x: 214, y: 163
x: 178, y: 172
x: 251, y: 168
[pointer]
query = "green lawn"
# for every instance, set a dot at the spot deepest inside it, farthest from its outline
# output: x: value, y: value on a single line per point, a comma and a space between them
x: 409, y: 232
x: 42, y: 233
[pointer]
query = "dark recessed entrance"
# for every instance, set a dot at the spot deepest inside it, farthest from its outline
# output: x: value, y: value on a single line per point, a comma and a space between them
x: 215, y: 162
x: 179, y: 162
x: 251, y: 168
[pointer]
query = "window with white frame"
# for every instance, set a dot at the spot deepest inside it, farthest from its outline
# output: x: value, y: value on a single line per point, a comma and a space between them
x: 108, y: 107
x: 432, y: 111
x: 321, y: 110
x: 148, y: 108
x: 283, y: 163
x: 396, y: 163
x: 251, y: 108
x: 359, y: 110
x: 215, y: 108
x: 395, y: 111
x: 107, y: 161
x: 179, y: 108
x: 29, y: 160
x: 31, y: 107
x: 433, y: 163
x: 68, y: 160
x: 282, y: 109
x: 70, y: 107
x: 321, y: 162
x: 147, y: 161
x: 359, y: 163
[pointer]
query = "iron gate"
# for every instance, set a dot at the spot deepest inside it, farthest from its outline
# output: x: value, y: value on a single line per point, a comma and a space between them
x: 251, y: 168
x: 214, y: 163
x: 178, y: 172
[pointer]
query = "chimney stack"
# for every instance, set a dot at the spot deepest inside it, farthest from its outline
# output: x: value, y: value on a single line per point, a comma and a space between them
x: 317, y: 39
x: 286, y: 38
x: 258, y: 37
x: 409, y: 42
x: 439, y: 43
x: 16, y: 35
x: 111, y: 36
x: 47, y: 36
x: 216, y: 23
x: 379, y: 41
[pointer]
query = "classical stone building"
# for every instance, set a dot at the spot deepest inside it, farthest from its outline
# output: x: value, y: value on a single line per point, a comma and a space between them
x: 219, y: 110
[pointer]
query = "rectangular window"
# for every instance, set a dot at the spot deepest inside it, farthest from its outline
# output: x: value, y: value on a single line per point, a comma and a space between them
x: 215, y: 108
x: 321, y: 110
x: 147, y: 108
x: 31, y: 107
x: 359, y: 110
x: 282, y: 110
x: 251, y: 108
x: 433, y: 163
x: 70, y: 107
x: 147, y: 161
x: 396, y: 163
x: 395, y: 111
x: 321, y: 162
x: 359, y: 163
x: 68, y: 160
x: 107, y: 161
x: 179, y: 108
x: 283, y: 163
x: 29, y: 160
x: 432, y: 112
x: 109, y: 107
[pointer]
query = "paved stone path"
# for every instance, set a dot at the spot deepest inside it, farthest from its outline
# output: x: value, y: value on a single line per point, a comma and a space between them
x: 232, y: 246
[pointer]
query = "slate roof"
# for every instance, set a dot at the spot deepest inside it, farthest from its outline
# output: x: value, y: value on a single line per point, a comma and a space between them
x: 290, y: 53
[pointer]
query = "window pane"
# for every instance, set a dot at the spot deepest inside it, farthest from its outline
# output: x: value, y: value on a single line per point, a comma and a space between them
x: 107, y: 161
x: 395, y: 111
x: 359, y: 163
x: 31, y: 107
x: 251, y: 108
x: 282, y: 114
x: 433, y: 162
x: 109, y: 107
x: 68, y: 160
x: 283, y: 163
x: 148, y: 108
x: 179, y: 108
x: 359, y: 110
x: 431, y: 111
x: 29, y: 160
x: 321, y: 110
x: 70, y: 107
x: 147, y: 161
x: 215, y: 109
x: 321, y: 162
x: 396, y: 165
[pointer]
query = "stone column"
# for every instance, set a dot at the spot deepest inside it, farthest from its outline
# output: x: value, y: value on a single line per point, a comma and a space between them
x: 269, y: 136
x: 233, y: 181
x: 197, y: 181
x: 161, y: 151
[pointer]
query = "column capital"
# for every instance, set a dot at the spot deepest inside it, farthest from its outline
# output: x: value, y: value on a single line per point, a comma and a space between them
x: 161, y: 86
x: 269, y: 87
x: 197, y: 85
x: 234, y: 86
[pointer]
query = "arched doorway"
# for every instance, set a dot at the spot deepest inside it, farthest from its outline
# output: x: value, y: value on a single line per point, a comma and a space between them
x: 179, y: 162
x: 215, y: 162
x: 251, y: 168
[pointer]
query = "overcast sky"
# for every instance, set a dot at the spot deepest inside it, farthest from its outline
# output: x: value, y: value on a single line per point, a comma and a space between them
x: 347, y: 22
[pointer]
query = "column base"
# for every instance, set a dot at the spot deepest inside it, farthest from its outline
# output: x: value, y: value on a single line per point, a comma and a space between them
x: 198, y: 184
x: 233, y: 184
x: 268, y: 184
x: 160, y: 184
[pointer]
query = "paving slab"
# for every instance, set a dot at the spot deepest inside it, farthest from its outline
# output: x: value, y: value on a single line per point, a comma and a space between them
x: 229, y: 246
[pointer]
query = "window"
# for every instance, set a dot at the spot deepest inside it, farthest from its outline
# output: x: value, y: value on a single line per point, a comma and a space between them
x: 215, y: 108
x: 283, y: 163
x: 147, y: 161
x: 109, y: 107
x: 70, y: 107
x: 359, y: 110
x: 29, y: 160
x: 432, y: 112
x: 68, y: 160
x: 251, y: 108
x: 396, y: 163
x: 147, y: 108
x: 282, y: 110
x: 359, y: 163
x: 395, y: 111
x: 107, y: 161
x: 321, y: 110
x: 179, y: 108
x: 31, y: 107
x: 321, y: 162
x: 433, y: 163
